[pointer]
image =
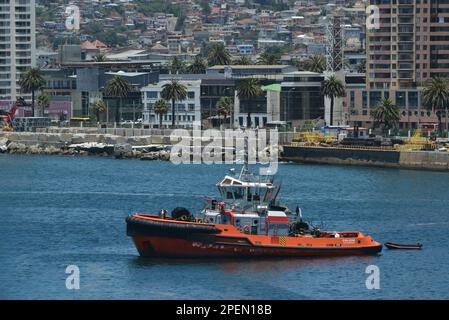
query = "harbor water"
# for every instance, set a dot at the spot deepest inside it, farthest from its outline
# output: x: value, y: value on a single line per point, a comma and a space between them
x: 57, y: 211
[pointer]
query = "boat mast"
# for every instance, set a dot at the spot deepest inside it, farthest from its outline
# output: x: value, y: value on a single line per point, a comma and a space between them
x: 245, y: 157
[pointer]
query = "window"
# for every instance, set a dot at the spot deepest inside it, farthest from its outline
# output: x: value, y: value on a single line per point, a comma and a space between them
x: 152, y: 95
x: 413, y: 99
x: 374, y: 98
x: 352, y: 99
x: 400, y: 99
x: 191, y: 95
x: 364, y: 99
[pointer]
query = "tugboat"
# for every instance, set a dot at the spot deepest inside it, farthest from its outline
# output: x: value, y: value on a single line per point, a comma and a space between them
x: 246, y: 222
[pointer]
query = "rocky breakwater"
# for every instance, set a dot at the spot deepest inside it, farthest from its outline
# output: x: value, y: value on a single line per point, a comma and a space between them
x: 147, y: 152
x: 82, y: 144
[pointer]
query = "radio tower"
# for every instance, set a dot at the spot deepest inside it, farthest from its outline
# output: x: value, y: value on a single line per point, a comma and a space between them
x: 334, y: 46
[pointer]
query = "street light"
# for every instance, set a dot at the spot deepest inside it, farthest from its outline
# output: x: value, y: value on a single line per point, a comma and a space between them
x: 446, y: 125
x: 227, y: 93
x: 206, y: 94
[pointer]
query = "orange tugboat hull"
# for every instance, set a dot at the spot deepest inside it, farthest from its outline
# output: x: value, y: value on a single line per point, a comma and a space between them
x: 155, y: 237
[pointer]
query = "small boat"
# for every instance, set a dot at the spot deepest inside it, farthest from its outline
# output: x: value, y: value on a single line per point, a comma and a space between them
x: 391, y: 245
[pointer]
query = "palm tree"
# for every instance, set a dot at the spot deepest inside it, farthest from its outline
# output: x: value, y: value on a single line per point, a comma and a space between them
x: 101, y: 57
x: 160, y: 108
x: 99, y: 107
x: 361, y: 67
x: 386, y: 113
x: 269, y: 59
x: 224, y: 107
x: 118, y: 87
x: 174, y: 91
x: 31, y: 81
x: 242, y: 61
x: 435, y: 96
x: 43, y: 101
x: 248, y: 90
x: 218, y: 55
x: 316, y: 63
x: 332, y: 88
x: 197, y: 66
x: 177, y: 65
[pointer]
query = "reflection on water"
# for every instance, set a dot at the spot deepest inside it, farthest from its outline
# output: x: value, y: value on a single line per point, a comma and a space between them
x: 253, y: 265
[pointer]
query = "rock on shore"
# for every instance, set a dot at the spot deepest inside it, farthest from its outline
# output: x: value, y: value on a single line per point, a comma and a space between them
x: 81, y: 144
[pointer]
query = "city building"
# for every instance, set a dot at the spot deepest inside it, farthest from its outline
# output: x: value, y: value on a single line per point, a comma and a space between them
x: 406, y: 49
x: 300, y: 98
x: 274, y: 72
x: 17, y: 45
x: 91, y: 83
x: 187, y: 112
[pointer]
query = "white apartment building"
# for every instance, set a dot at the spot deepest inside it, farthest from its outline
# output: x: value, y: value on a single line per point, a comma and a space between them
x: 17, y: 44
x: 187, y: 112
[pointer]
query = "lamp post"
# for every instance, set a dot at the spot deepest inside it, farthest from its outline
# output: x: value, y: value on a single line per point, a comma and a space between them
x: 446, y: 124
x: 227, y: 94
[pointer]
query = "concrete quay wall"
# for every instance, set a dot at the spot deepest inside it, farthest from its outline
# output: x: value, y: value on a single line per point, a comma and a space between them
x: 426, y: 160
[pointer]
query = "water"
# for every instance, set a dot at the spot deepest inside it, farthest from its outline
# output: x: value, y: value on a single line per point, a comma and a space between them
x: 59, y: 211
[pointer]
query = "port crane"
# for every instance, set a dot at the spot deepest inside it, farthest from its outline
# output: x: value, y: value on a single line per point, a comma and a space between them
x: 6, y: 117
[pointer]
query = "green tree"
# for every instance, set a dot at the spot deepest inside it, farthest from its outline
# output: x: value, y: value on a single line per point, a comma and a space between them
x: 43, y: 101
x: 180, y: 22
x: 316, y: 63
x: 99, y: 107
x: 149, y: 8
x: 269, y: 59
x: 31, y: 81
x: 248, y: 90
x: 101, y: 57
x: 386, y: 114
x: 118, y: 87
x: 361, y: 67
x: 177, y: 65
x: 224, y: 107
x: 242, y: 61
x: 435, y: 96
x: 174, y: 91
x: 332, y: 88
x: 197, y: 66
x: 218, y: 55
x: 205, y: 7
x: 160, y: 108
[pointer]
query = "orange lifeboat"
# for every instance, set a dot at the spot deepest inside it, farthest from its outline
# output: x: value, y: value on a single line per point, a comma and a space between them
x: 156, y: 236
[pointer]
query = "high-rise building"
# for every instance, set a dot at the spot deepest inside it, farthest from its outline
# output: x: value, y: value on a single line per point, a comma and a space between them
x: 17, y: 44
x: 406, y: 45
